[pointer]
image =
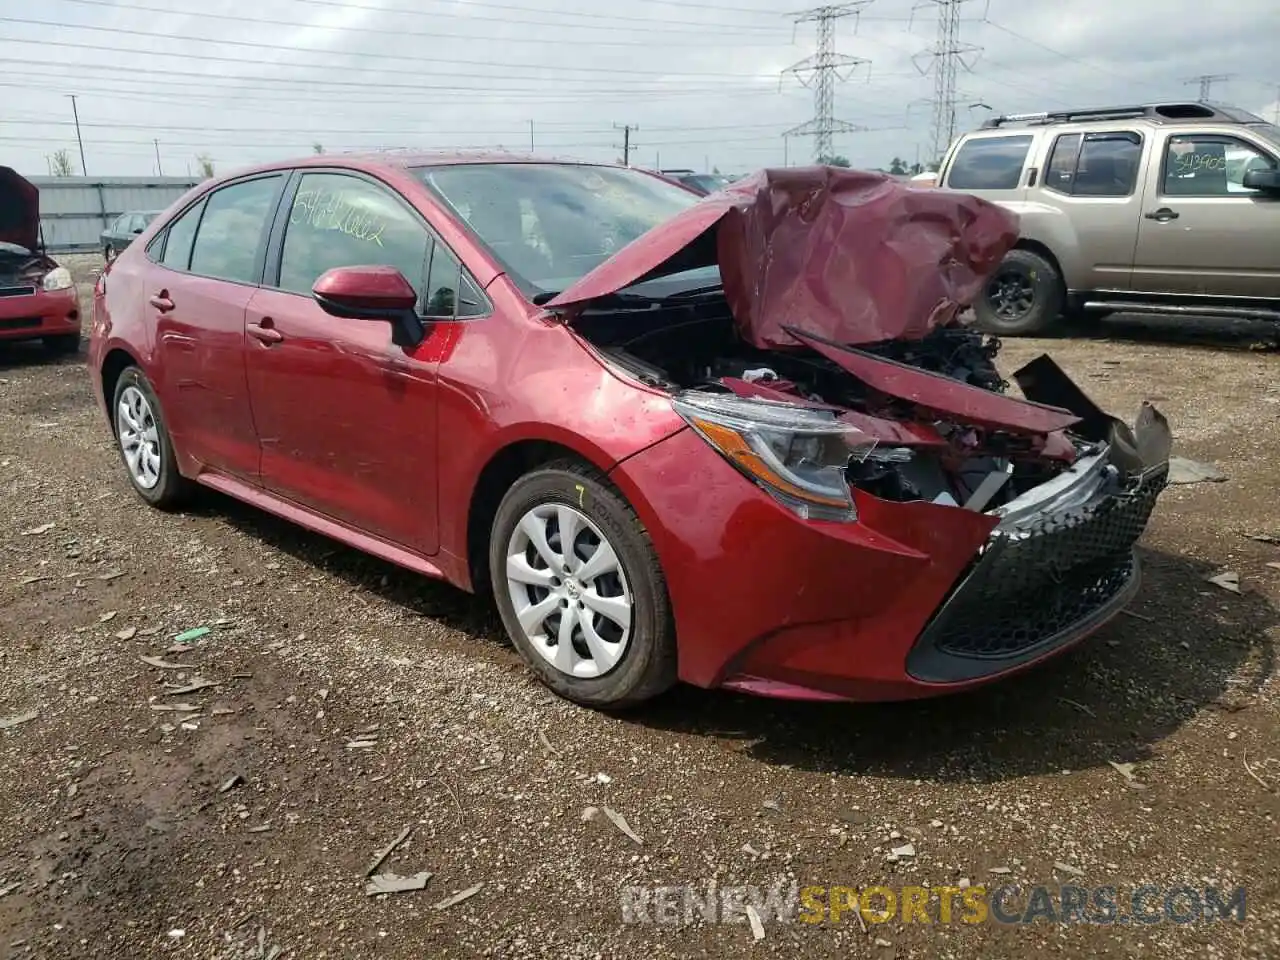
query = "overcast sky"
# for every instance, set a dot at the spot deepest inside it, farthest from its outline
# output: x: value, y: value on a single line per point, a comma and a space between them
x: 249, y: 81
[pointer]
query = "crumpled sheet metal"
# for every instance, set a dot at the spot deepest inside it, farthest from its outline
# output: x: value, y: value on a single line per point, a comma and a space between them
x: 853, y: 256
x: 856, y: 257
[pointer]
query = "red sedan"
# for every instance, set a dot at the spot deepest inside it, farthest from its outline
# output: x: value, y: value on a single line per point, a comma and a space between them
x: 37, y: 297
x: 743, y: 441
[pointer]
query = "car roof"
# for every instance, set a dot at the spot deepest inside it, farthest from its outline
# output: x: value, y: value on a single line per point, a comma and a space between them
x: 411, y: 159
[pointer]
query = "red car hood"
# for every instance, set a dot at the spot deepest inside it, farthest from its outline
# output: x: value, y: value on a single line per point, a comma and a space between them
x: 19, y: 210
x: 855, y: 257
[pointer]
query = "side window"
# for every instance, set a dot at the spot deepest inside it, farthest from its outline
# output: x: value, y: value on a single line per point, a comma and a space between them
x: 1060, y: 172
x: 450, y: 292
x: 231, y: 230
x: 989, y: 163
x: 1209, y: 165
x: 1108, y: 165
x: 118, y: 225
x: 342, y: 221
x: 177, y: 249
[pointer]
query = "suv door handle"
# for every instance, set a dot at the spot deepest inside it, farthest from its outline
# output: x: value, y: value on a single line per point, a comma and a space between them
x: 162, y: 302
x: 265, y: 331
x: 1164, y: 215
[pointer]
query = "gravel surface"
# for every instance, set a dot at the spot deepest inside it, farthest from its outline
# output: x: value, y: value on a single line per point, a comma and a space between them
x: 352, y: 700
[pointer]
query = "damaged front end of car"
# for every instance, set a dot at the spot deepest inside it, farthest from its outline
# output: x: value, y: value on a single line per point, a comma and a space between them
x: 834, y: 370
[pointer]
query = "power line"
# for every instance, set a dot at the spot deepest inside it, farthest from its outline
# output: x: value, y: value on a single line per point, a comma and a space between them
x: 821, y: 71
x: 946, y: 54
x: 559, y: 68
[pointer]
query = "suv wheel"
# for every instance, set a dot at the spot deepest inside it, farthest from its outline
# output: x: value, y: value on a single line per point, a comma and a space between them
x: 1024, y: 296
x: 579, y: 588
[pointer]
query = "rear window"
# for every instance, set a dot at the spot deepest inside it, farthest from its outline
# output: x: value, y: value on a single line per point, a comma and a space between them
x: 989, y: 163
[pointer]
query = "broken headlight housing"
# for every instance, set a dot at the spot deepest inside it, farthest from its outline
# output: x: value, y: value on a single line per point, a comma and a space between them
x: 796, y: 454
x: 59, y: 278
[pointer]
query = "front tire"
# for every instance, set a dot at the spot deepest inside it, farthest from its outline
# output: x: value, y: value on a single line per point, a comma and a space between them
x: 579, y: 588
x: 144, y: 442
x: 108, y: 253
x: 1024, y: 296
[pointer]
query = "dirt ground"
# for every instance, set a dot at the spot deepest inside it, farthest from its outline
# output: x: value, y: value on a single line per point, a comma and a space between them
x: 353, y: 700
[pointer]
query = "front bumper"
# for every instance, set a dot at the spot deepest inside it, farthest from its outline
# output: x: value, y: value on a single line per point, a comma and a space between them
x: 912, y: 600
x: 39, y: 314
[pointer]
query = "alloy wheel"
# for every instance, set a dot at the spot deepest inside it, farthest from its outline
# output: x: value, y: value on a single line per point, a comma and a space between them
x: 139, y: 437
x: 1011, y: 295
x: 569, y: 591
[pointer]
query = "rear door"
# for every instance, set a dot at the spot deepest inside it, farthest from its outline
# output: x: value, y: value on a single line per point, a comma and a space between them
x: 1094, y: 179
x: 210, y: 264
x: 1202, y: 232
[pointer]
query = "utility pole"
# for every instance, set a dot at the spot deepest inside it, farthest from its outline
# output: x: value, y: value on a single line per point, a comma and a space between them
x: 943, y: 59
x: 531, y: 136
x: 1207, y: 80
x: 84, y: 171
x: 626, y: 129
x: 821, y: 71
x: 159, y: 170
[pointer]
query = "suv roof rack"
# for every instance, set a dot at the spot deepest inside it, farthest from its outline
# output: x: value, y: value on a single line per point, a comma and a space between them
x: 1156, y: 112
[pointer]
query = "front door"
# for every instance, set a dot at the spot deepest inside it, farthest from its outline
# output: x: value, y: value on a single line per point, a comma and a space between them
x: 347, y: 419
x: 1202, y: 232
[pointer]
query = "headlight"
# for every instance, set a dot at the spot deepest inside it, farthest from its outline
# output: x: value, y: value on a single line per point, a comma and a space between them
x: 59, y: 278
x: 797, y: 454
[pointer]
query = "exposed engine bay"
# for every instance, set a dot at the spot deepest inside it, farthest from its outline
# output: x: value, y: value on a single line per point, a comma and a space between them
x: 692, y: 347
x: 19, y: 267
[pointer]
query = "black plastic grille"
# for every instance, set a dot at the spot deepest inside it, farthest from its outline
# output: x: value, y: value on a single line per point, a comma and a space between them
x: 1039, y: 586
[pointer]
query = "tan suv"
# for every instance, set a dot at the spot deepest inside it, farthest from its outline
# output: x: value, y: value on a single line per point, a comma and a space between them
x: 1159, y: 208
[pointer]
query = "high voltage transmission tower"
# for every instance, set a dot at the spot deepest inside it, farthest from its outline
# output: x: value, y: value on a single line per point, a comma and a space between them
x: 943, y: 59
x: 1207, y: 80
x: 821, y: 71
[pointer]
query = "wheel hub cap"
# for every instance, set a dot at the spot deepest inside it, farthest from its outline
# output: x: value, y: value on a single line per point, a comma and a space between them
x: 568, y: 590
x: 139, y: 437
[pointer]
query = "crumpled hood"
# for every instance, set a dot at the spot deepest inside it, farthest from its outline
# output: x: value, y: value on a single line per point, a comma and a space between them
x: 856, y: 257
x: 19, y: 210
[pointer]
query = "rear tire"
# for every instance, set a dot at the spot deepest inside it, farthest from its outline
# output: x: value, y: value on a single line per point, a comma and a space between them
x: 558, y: 590
x: 143, y: 440
x: 1024, y: 296
x: 62, y: 344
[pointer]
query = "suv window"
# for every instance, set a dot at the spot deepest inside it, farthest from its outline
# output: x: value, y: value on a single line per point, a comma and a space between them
x: 1095, y: 164
x: 344, y: 221
x: 177, y: 248
x: 1210, y: 165
x: 989, y: 163
x: 231, y: 230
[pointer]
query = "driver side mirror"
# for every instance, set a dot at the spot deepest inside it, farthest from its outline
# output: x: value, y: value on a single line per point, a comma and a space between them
x: 137, y: 230
x: 1268, y: 181
x: 372, y: 293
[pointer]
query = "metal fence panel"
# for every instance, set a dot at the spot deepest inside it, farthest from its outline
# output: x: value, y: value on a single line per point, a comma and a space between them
x: 75, y: 210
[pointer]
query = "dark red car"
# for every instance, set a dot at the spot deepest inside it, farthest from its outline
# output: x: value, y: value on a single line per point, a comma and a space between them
x: 37, y: 297
x: 744, y: 441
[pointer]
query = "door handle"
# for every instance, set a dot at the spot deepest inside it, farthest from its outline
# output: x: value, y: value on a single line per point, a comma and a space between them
x: 1163, y: 215
x: 162, y: 302
x: 265, y: 331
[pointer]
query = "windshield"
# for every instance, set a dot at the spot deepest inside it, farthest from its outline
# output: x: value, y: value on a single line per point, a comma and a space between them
x: 551, y: 224
x: 710, y: 182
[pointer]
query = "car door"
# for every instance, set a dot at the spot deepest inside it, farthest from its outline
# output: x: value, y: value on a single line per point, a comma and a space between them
x: 347, y: 419
x: 1094, y: 178
x: 1202, y: 231
x: 210, y: 264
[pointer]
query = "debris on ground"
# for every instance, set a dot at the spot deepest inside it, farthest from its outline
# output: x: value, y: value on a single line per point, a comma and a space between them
x: 161, y: 664
x: 188, y: 636
x: 230, y: 783
x: 1182, y: 470
x: 619, y: 821
x: 386, y: 851
x: 906, y: 850
x: 199, y: 683
x: 394, y: 883
x: 457, y: 898
x: 128, y: 633
x: 37, y: 531
x: 1067, y: 869
x: 1078, y: 705
x: 546, y: 745
x: 7, y: 722
x: 1227, y: 580
x: 757, y: 926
